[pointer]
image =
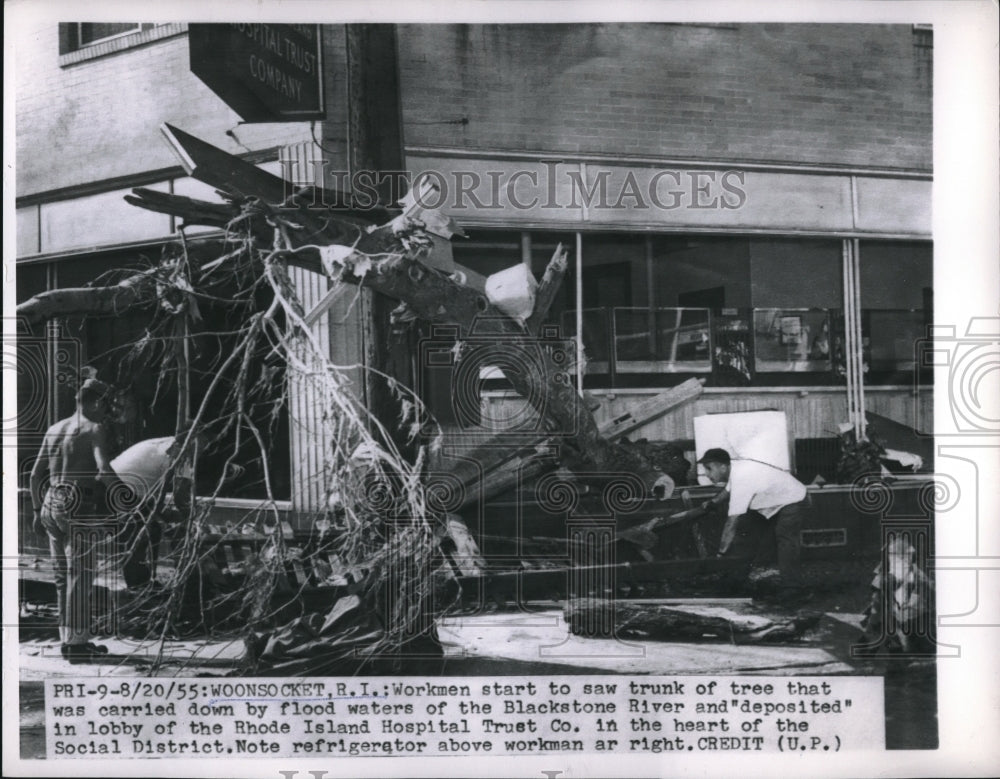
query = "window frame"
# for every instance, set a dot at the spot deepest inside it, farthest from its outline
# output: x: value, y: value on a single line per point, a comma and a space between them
x: 604, y: 376
x: 137, y: 27
x: 72, y: 51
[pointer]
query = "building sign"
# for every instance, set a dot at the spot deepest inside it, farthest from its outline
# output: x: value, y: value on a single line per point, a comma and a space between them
x: 264, y: 72
x: 566, y: 192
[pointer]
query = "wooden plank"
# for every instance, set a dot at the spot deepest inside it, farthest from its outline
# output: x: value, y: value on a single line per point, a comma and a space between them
x: 434, y: 221
x: 466, y: 556
x: 650, y: 409
x: 548, y: 288
x: 217, y: 168
x: 325, y: 304
x: 545, y: 580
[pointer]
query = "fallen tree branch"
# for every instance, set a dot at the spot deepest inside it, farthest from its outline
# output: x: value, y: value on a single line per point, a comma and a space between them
x: 193, y: 212
x: 113, y: 300
x: 387, y: 260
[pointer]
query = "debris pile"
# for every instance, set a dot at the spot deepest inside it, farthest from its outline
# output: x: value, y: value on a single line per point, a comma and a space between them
x: 376, y: 546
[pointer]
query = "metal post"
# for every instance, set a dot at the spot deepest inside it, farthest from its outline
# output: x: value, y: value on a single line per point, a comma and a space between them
x: 651, y: 300
x: 579, y: 314
x: 848, y: 331
x: 860, y: 375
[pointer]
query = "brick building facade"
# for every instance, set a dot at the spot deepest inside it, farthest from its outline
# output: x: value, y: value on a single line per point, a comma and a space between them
x: 843, y: 96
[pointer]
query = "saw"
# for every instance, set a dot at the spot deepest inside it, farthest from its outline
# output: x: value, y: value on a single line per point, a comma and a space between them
x: 644, y: 536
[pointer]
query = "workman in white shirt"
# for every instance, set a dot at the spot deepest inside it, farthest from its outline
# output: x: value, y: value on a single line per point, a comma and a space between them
x: 764, y: 502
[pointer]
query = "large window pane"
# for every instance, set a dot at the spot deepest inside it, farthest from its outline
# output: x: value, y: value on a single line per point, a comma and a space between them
x: 699, y: 271
x: 896, y: 279
x: 596, y: 338
x: 791, y: 340
x: 896, y: 274
x: 796, y: 272
x: 750, y: 310
x: 662, y: 340
x: 892, y: 338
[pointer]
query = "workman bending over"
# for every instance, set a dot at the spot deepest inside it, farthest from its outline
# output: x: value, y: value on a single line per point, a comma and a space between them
x: 765, y: 502
x: 73, y: 468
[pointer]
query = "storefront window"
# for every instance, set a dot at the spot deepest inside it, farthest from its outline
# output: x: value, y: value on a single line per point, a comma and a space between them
x: 662, y: 340
x: 791, y: 340
x: 597, y: 346
x: 896, y: 280
x: 741, y: 311
x: 747, y: 311
x: 892, y: 338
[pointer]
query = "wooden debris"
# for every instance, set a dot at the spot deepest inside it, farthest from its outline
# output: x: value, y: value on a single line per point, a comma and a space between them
x: 684, y: 622
x: 465, y: 556
x: 217, y: 168
x: 548, y: 287
x: 644, y: 535
x: 324, y: 305
x: 500, y: 466
x: 198, y: 212
x: 435, y: 222
x: 652, y: 409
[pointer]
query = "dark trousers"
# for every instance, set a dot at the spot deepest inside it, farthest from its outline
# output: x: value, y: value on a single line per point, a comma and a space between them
x: 73, y: 549
x: 762, y: 540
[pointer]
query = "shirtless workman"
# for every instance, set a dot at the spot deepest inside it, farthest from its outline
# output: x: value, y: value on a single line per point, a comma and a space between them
x: 68, y: 484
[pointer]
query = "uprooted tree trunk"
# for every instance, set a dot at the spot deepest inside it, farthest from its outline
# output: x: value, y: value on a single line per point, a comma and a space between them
x: 380, y: 526
x: 387, y: 259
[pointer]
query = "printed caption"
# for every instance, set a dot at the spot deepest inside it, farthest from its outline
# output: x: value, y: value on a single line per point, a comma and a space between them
x: 398, y: 717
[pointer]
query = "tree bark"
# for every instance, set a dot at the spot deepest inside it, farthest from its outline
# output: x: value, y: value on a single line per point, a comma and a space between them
x: 113, y: 300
